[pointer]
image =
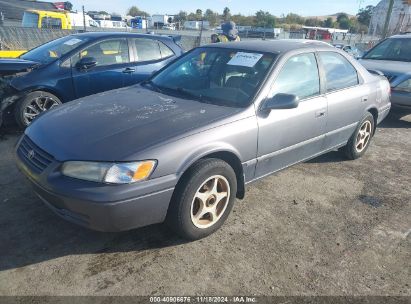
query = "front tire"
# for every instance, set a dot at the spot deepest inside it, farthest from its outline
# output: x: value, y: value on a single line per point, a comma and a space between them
x: 361, y: 138
x: 32, y: 105
x: 203, y: 199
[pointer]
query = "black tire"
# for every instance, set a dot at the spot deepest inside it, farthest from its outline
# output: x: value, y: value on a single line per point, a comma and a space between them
x: 179, y: 214
x: 28, y: 99
x: 350, y: 150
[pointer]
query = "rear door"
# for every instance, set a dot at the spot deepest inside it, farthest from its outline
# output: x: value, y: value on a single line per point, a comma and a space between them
x: 113, y: 60
x: 289, y: 136
x: 150, y: 55
x: 346, y: 97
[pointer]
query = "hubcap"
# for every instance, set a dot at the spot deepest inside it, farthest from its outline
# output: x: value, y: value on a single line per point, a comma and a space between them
x: 210, y: 201
x: 363, y: 136
x: 37, y: 106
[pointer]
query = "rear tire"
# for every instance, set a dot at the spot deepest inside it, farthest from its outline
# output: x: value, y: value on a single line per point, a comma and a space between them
x: 361, y: 138
x: 203, y: 199
x: 33, y: 104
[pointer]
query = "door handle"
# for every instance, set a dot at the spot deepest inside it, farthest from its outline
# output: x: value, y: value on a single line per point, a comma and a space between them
x: 129, y: 70
x: 320, y: 113
x: 364, y: 99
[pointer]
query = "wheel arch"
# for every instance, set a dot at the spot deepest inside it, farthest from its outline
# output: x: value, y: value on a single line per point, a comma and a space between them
x: 50, y: 90
x: 374, y: 113
x: 229, y: 157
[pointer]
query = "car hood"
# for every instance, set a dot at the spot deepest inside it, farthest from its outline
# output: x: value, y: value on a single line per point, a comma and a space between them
x: 388, y: 67
x: 115, y: 125
x: 14, y: 66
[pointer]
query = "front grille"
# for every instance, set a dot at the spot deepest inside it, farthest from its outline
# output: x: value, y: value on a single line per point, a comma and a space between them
x: 34, y: 157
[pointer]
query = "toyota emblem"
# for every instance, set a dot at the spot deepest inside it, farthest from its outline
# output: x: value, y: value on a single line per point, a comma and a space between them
x: 30, y: 154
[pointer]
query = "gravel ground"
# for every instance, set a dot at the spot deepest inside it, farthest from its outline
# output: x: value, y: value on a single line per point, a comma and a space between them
x: 324, y: 227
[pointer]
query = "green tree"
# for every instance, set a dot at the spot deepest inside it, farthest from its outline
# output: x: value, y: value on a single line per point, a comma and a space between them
x: 243, y: 20
x: 344, y: 21
x: 329, y: 22
x: 264, y: 19
x: 345, y: 24
x: 199, y: 14
x: 135, y: 11
x: 181, y: 17
x: 294, y: 19
x: 312, y: 22
x: 226, y: 14
x: 342, y: 16
x: 364, y: 15
x: 211, y: 17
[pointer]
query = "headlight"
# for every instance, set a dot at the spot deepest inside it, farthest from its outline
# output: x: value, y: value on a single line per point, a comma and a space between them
x: 111, y: 173
x: 404, y: 86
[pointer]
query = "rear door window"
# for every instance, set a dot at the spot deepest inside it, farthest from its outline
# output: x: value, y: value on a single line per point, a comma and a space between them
x: 147, y: 50
x: 339, y: 72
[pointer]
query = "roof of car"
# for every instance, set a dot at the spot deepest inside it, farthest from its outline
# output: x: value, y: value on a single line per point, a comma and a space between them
x: 404, y: 35
x: 124, y: 34
x: 271, y: 46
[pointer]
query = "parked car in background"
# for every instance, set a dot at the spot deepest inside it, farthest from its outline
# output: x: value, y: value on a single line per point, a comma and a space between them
x: 392, y: 58
x: 353, y: 51
x: 79, y: 65
x: 181, y: 146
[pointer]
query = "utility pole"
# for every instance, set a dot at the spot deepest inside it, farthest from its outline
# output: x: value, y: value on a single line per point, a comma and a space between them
x: 201, y: 32
x: 388, y: 19
x: 84, y: 19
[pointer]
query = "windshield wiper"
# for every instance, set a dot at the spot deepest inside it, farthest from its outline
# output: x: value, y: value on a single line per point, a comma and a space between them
x: 189, y: 94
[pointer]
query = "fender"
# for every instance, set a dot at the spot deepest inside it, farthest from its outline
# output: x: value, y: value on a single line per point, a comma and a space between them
x: 203, y: 151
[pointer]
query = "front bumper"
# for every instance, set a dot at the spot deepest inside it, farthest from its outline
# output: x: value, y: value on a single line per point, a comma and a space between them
x: 112, y: 216
x: 99, y: 206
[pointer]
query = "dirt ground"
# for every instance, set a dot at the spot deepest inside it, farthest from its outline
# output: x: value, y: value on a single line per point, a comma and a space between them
x: 324, y: 227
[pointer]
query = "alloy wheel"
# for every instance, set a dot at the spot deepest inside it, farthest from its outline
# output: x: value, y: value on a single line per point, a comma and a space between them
x: 210, y: 201
x: 363, y: 136
x: 37, y: 106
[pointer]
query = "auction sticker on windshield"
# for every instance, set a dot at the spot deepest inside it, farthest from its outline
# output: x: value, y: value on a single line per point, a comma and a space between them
x: 245, y: 59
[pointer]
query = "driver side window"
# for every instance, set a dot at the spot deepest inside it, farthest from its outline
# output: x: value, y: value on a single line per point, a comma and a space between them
x: 299, y: 76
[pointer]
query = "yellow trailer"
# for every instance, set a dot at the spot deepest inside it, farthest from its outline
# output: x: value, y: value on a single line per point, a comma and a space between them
x: 11, y: 54
x: 47, y: 19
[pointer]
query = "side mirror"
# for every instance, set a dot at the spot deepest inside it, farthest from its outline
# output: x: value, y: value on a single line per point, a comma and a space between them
x: 281, y: 101
x: 86, y: 63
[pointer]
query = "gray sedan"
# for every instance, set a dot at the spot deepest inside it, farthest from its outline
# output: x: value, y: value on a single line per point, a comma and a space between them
x: 392, y: 58
x: 181, y: 146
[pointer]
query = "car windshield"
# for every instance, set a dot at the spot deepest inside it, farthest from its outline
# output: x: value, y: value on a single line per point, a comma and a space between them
x: 54, y: 50
x: 396, y: 49
x: 215, y: 75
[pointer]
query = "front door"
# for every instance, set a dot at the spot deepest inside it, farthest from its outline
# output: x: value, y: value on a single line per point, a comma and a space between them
x: 291, y: 135
x: 112, y: 61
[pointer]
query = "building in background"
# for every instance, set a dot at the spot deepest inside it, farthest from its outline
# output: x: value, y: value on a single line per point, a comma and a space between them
x: 196, y: 25
x: 400, y: 18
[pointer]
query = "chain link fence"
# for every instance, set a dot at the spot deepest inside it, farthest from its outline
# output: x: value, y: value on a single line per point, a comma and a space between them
x: 19, y: 38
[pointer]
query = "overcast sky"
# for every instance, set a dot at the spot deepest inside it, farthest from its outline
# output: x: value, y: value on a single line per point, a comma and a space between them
x: 246, y: 7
